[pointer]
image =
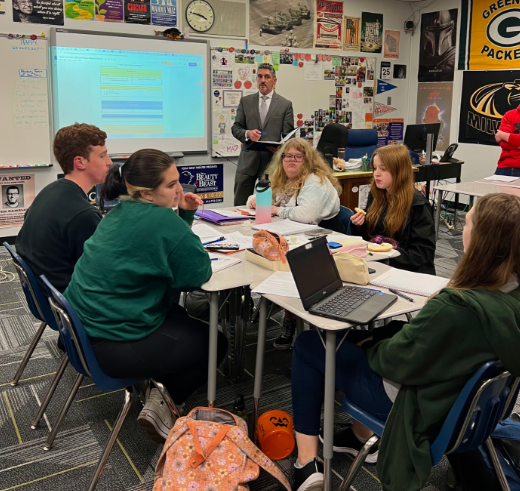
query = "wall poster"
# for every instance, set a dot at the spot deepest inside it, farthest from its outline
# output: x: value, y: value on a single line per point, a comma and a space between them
x: 434, y: 106
x: 438, y: 46
x: 272, y: 27
x: 389, y: 131
x: 391, y: 48
x: 329, y: 25
x: 371, y: 32
x: 352, y: 33
x: 17, y: 193
x: 208, y: 178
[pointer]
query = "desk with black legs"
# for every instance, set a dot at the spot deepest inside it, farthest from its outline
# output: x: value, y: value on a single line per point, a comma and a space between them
x: 330, y: 327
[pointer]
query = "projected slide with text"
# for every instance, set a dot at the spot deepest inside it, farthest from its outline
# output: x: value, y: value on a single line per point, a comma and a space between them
x: 130, y: 94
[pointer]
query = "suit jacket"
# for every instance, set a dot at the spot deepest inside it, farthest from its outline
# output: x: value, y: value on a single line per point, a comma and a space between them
x: 278, y: 123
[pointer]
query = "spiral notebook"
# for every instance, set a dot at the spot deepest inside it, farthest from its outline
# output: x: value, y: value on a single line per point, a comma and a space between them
x: 406, y: 281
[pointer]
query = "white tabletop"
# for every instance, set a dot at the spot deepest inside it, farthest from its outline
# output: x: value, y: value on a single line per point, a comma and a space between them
x: 478, y: 188
x: 242, y: 274
x: 401, y: 306
x: 247, y: 273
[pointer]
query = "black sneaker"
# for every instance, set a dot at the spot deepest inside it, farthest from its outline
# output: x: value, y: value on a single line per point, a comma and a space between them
x: 285, y: 339
x: 309, y: 477
x: 346, y: 442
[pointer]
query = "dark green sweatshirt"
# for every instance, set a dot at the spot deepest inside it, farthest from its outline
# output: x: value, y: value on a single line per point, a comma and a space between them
x: 122, y: 285
x: 433, y: 357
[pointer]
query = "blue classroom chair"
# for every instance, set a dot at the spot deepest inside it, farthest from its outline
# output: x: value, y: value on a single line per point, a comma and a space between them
x: 344, y: 215
x: 361, y: 142
x: 38, y: 305
x: 487, y: 398
x: 83, y: 359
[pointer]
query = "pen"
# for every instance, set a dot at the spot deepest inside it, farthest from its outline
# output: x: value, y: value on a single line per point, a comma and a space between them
x: 406, y: 297
x: 213, y: 241
x: 214, y: 258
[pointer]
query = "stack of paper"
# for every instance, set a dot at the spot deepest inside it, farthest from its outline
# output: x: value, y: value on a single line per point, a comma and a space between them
x: 205, y: 232
x: 279, y: 283
x: 286, y: 227
x: 219, y: 262
x: 406, y: 281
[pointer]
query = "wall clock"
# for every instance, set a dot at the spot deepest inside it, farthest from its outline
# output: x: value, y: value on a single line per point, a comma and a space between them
x: 200, y: 15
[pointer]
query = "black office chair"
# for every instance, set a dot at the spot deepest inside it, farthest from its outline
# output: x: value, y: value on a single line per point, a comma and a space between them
x: 334, y: 136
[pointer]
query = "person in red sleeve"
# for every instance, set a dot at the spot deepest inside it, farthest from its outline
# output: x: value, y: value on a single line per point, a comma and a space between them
x: 508, y: 137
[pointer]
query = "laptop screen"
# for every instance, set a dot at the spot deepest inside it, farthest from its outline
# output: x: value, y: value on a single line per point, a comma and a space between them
x: 314, y: 271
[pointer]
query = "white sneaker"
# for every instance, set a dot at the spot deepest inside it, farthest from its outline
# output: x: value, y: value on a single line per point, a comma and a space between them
x: 156, y: 418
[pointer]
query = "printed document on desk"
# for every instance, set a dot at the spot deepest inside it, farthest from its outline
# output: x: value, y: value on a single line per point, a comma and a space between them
x: 406, y: 281
x: 219, y: 262
x: 205, y: 232
x: 279, y: 283
x: 262, y: 145
x: 286, y: 227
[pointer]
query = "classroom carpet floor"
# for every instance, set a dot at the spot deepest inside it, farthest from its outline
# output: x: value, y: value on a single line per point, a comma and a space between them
x: 24, y: 465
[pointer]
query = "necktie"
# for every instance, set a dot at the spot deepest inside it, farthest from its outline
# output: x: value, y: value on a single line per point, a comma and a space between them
x: 263, y: 109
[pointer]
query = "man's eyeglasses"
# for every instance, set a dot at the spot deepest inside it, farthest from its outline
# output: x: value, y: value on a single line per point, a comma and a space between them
x: 297, y: 158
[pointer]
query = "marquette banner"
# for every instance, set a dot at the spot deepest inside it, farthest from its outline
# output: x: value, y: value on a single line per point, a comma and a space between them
x: 489, y: 35
x: 486, y: 97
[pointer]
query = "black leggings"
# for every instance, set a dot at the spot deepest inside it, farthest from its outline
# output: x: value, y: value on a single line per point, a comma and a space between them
x: 176, y: 354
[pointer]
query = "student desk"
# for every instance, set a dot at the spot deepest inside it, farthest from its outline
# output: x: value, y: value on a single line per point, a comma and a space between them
x: 471, y: 189
x: 351, y: 181
x: 331, y: 327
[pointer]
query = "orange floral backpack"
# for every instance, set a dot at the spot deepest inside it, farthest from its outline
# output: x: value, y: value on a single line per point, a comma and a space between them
x: 209, y: 450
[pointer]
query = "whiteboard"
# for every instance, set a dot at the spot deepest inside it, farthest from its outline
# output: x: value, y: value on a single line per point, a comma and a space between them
x: 24, y: 102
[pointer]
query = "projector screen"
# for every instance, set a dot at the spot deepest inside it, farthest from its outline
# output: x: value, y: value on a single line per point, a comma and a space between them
x: 143, y: 92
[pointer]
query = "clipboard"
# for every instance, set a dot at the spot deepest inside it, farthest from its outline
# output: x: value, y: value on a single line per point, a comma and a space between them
x: 261, y: 145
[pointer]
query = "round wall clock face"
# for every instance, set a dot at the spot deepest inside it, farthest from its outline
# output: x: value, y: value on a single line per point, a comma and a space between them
x: 200, y: 15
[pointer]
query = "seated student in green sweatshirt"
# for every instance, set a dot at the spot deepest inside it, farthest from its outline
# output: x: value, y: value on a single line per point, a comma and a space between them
x: 418, y: 368
x: 141, y: 254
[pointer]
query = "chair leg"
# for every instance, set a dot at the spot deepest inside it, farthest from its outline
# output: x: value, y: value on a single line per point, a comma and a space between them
x: 50, y: 392
x: 496, y: 465
x: 167, y: 397
x: 358, y: 462
x: 29, y: 353
x: 112, y: 439
x: 63, y: 413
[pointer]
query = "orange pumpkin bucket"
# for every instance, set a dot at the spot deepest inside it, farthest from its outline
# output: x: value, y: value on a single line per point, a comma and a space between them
x: 275, y: 430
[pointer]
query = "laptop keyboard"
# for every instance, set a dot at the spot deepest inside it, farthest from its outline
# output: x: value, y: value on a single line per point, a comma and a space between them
x: 345, y: 302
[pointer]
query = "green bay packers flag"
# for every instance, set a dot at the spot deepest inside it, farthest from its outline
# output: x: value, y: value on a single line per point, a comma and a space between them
x: 486, y: 97
x: 489, y: 35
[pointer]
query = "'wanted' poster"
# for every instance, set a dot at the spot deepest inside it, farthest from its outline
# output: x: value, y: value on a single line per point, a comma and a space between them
x: 17, y: 194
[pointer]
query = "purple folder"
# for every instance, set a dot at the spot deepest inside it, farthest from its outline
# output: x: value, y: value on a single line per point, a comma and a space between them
x: 213, y: 217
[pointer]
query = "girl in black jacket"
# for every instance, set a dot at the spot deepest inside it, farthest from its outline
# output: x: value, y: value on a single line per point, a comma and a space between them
x: 396, y: 210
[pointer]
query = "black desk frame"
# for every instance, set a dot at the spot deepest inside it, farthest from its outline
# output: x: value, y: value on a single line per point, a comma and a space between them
x: 435, y: 172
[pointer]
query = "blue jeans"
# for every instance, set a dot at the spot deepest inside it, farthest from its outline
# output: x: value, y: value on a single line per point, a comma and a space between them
x: 354, y: 378
x: 508, y: 171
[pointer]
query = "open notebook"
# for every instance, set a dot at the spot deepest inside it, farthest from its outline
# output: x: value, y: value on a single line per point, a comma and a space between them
x: 406, y: 281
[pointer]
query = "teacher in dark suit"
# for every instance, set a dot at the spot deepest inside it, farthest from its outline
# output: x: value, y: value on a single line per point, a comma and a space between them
x: 264, y: 116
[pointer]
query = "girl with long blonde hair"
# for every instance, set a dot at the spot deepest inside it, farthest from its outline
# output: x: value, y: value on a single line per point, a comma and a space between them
x: 397, y: 211
x: 306, y: 191
x: 410, y: 374
x: 304, y: 188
